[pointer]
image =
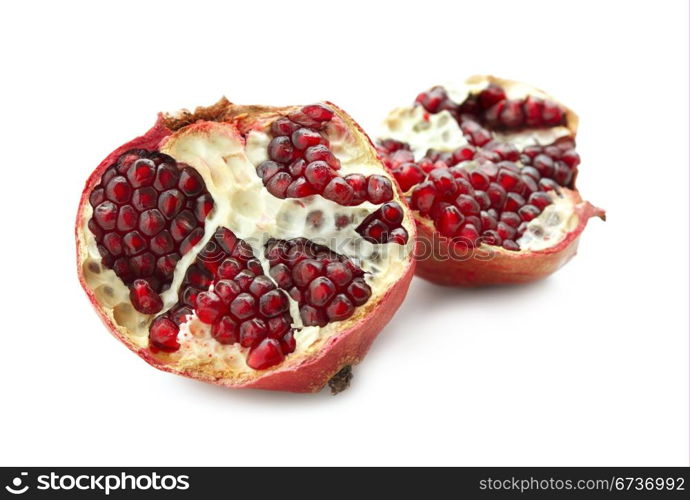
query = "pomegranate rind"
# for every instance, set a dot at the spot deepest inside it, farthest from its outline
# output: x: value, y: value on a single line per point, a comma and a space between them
x: 311, y: 371
x: 491, y: 265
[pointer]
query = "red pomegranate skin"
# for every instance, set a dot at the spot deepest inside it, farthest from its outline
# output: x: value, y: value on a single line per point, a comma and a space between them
x: 310, y: 374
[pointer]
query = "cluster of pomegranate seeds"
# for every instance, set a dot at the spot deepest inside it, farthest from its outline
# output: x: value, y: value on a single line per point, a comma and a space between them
x: 327, y: 286
x: 301, y: 163
x: 148, y: 211
x: 486, y: 191
x: 384, y: 225
x: 227, y: 289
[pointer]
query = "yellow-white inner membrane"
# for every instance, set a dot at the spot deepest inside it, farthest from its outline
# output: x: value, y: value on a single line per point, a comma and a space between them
x: 441, y: 132
x: 243, y: 205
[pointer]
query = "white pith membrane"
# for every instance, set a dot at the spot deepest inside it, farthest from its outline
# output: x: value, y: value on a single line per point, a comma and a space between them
x: 440, y: 131
x: 243, y: 205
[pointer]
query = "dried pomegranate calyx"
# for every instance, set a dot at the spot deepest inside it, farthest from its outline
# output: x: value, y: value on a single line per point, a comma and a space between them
x: 202, y: 326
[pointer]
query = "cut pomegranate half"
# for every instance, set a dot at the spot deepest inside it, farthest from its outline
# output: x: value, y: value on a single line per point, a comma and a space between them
x: 247, y: 246
x: 489, y: 171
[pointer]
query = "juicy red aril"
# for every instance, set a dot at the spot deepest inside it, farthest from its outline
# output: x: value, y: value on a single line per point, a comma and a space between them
x: 163, y: 335
x: 144, y: 299
x: 303, y: 138
x: 225, y: 330
x: 209, y: 307
x: 408, y: 175
x: 137, y: 209
x: 266, y: 354
x: 280, y: 149
x: 379, y: 189
x: 252, y: 332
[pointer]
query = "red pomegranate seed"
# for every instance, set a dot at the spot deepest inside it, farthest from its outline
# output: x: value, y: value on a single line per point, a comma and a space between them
x: 268, y: 169
x: 244, y: 306
x: 113, y: 242
x: 141, y: 173
x: 358, y: 291
x: 449, y: 221
x: 423, y: 197
x: 339, y: 191
x: 252, y: 332
x: 191, y: 240
x: 496, y: 194
x: 203, y: 206
x: 127, y: 219
x: 190, y: 183
x: 513, y: 202
x: 488, y: 221
x: 467, y: 205
x: 280, y: 149
x: 562, y: 174
x: 144, y: 198
x: 379, y: 189
x: 510, y: 245
x: 533, y: 108
x: 144, y: 299
x: 105, y: 215
x: 510, y: 218
x: 392, y: 213
x: 340, y: 308
x: 268, y: 353
x: 408, y: 175
x: 319, y: 174
x: 167, y: 177
x: 163, y: 334
x: 468, y: 234
x: 288, y: 343
x: 134, y: 243
x: 321, y: 153
x: 118, y: 190
x: 311, y: 316
x: 491, y: 237
x: 320, y: 291
x: 528, y: 212
x: 162, y: 243
x: 318, y: 112
x: 165, y: 266
x: 225, y: 331
x: 299, y: 188
x: 303, y: 138
x: 483, y: 199
x: 338, y: 273
x: 358, y: 183
x: 398, y: 235
x: 552, y: 115
x: 444, y: 182
x: 226, y: 290
x: 278, y: 184
x: 279, y: 326
x: 209, y: 307
x: 540, y: 200
x: 544, y: 165
x: 505, y: 231
x: 273, y: 303
x: 282, y: 276
x: 306, y: 271
x: 507, y: 179
x: 283, y: 126
x: 151, y: 222
x: 491, y: 95
x: 571, y: 158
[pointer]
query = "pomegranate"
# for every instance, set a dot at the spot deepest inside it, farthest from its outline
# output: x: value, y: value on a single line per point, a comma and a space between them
x: 489, y: 171
x: 247, y: 246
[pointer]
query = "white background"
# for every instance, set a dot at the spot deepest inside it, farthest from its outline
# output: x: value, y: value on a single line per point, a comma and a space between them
x: 589, y: 367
